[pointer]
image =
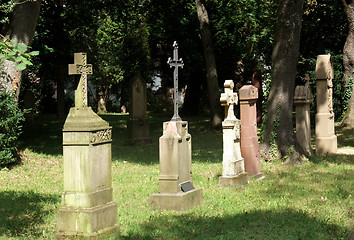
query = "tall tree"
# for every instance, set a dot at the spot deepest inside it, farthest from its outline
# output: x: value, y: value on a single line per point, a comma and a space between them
x: 279, y: 127
x: 348, y: 62
x: 210, y: 64
x: 20, y: 29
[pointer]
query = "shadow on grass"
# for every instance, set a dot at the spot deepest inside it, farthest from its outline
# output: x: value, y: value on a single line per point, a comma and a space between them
x: 22, y: 212
x: 332, y: 158
x: 279, y: 224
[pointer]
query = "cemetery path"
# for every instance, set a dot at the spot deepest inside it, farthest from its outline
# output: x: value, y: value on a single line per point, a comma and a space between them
x: 346, y: 151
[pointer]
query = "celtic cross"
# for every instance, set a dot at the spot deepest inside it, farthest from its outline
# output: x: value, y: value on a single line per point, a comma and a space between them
x: 176, y: 63
x: 81, y: 67
x: 228, y: 100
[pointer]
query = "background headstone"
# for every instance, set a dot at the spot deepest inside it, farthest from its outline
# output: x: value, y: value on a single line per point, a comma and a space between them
x: 137, y: 124
x: 248, y: 95
x: 233, y: 173
x: 326, y: 140
x: 302, y: 99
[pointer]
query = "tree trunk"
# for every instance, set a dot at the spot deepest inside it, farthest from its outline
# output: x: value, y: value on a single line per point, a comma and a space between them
x: 210, y: 64
x: 20, y: 29
x: 279, y: 125
x: 348, y: 62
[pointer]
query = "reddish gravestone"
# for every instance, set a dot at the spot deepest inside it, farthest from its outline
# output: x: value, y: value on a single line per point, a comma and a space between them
x: 257, y: 82
x: 248, y: 95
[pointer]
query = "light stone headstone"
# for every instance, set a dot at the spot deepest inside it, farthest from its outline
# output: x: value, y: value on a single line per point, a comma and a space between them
x: 87, y: 209
x: 137, y: 124
x: 248, y: 95
x: 302, y: 99
x: 233, y: 173
x: 326, y: 140
x: 176, y: 190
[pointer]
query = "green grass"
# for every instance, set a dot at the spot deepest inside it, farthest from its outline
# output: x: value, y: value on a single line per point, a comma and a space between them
x: 310, y: 201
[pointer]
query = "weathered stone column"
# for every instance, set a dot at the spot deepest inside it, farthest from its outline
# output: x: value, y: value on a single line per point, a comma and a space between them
x: 87, y: 209
x: 302, y: 99
x: 248, y: 95
x: 326, y: 140
x: 176, y: 190
x: 233, y: 173
x: 138, y: 125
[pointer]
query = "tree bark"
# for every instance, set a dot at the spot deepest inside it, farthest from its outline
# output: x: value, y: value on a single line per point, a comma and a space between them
x: 348, y: 63
x: 20, y: 29
x: 279, y: 125
x: 210, y: 64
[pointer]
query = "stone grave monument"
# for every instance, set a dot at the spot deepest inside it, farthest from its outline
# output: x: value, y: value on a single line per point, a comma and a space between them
x: 302, y: 99
x: 87, y: 210
x: 326, y: 140
x: 248, y: 95
x: 233, y: 171
x: 137, y: 124
x: 176, y: 190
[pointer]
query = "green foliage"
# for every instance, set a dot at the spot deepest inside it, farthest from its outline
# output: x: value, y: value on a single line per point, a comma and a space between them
x: 346, y: 97
x: 10, y: 128
x: 16, y: 52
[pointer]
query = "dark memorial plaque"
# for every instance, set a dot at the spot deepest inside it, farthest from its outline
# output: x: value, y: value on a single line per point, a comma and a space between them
x: 187, y: 186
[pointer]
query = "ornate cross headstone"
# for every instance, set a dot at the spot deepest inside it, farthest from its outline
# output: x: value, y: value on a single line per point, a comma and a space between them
x: 81, y: 67
x: 233, y: 173
x: 229, y: 99
x: 175, y: 62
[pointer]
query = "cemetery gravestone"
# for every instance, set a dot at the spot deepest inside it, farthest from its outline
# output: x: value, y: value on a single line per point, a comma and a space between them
x: 101, y: 105
x: 176, y: 190
x: 302, y: 99
x: 248, y: 95
x: 233, y: 173
x: 138, y: 125
x: 326, y: 140
x: 87, y: 210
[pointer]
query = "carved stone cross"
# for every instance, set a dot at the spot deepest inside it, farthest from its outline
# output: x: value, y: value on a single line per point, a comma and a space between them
x: 175, y: 62
x: 81, y: 67
x: 228, y: 100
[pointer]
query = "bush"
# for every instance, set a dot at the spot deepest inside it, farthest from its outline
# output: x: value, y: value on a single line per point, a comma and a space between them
x: 10, y: 128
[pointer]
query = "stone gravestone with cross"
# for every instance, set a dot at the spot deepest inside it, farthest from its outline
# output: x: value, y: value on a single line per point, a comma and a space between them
x: 176, y: 190
x: 326, y: 140
x: 87, y: 209
x: 137, y: 124
x: 302, y: 100
x: 233, y: 173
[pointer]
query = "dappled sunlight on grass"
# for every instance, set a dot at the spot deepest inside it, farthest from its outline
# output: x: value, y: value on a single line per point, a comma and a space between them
x: 308, y: 201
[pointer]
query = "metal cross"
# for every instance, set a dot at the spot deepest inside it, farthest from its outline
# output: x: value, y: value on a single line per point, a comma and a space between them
x: 81, y: 67
x: 175, y: 62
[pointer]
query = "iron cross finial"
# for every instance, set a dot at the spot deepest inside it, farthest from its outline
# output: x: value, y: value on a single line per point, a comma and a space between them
x: 176, y: 63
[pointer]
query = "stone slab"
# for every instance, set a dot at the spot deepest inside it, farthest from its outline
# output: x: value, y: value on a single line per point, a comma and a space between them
x: 326, y: 145
x: 86, y: 221
x: 233, y: 181
x: 101, y: 234
x: 177, y: 201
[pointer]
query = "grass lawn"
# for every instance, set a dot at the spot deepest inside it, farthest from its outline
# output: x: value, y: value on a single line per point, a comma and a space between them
x: 310, y: 201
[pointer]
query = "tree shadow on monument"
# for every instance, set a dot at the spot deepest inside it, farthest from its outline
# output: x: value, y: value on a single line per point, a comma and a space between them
x: 22, y: 212
x: 280, y: 224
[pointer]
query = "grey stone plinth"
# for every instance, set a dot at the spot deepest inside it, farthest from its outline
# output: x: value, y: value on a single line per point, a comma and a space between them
x: 326, y: 144
x: 87, y: 210
x: 177, y: 201
x: 233, y: 181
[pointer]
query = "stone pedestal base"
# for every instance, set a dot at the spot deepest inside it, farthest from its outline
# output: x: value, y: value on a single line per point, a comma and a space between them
x: 177, y: 201
x: 257, y: 177
x: 326, y: 145
x: 87, y: 223
x: 234, y: 181
x: 138, y: 131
